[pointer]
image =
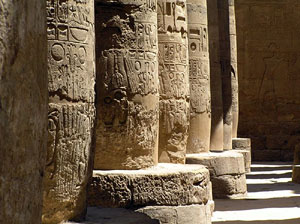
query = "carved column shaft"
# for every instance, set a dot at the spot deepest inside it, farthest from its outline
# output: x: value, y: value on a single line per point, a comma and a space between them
x: 127, y: 84
x: 216, y: 140
x: 225, y: 59
x: 234, y: 70
x: 174, y: 80
x: 71, y: 74
x: 23, y: 109
x: 199, y: 76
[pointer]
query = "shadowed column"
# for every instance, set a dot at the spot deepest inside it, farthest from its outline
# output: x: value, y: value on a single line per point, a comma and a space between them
x: 23, y: 109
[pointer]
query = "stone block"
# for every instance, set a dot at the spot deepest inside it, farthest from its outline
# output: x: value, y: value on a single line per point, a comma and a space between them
x: 164, y: 184
x: 190, y: 214
x: 296, y: 174
x: 241, y: 144
x: 227, y: 172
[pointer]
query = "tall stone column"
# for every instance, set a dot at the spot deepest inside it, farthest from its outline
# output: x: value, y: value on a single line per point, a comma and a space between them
x: 127, y: 85
x: 216, y: 138
x: 23, y: 109
x: 174, y: 80
x: 199, y: 76
x: 71, y: 74
x: 234, y: 70
x: 227, y: 71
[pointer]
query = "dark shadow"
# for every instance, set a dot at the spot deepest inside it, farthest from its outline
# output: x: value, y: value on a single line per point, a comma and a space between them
x: 254, y: 169
x: 270, y: 176
x: 249, y: 204
x: 273, y: 187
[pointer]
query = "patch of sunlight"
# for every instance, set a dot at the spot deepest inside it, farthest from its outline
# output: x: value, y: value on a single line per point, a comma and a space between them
x: 263, y: 214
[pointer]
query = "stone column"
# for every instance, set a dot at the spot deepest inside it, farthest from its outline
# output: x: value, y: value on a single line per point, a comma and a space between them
x: 225, y: 59
x: 127, y: 85
x: 23, y: 109
x: 296, y: 166
x: 199, y: 76
x: 71, y: 74
x: 174, y: 80
x: 216, y: 138
x: 234, y: 70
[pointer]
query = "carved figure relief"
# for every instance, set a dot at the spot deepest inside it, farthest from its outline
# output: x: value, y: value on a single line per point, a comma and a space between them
x: 173, y: 77
x: 71, y: 75
x: 127, y: 87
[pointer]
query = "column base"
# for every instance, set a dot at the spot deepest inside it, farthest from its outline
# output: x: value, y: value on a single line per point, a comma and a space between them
x: 227, y: 172
x: 243, y: 145
x: 296, y: 174
x: 162, y: 185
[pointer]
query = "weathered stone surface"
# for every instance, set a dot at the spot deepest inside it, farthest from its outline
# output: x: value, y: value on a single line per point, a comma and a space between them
x: 243, y: 146
x: 199, y: 76
x: 229, y: 186
x: 269, y: 63
x: 127, y: 85
x: 216, y: 138
x: 174, y: 80
x: 234, y: 69
x: 190, y: 214
x: 227, y: 172
x: 247, y: 159
x: 296, y: 174
x: 228, y: 162
x: 296, y: 166
x: 23, y: 109
x: 164, y: 184
x: 227, y: 70
x: 97, y: 215
x: 71, y: 74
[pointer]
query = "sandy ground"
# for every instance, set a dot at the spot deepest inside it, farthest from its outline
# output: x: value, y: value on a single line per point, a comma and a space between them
x: 272, y: 198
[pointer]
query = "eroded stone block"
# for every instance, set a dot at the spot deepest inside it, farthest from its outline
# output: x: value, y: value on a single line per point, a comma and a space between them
x: 164, y: 184
x: 227, y: 172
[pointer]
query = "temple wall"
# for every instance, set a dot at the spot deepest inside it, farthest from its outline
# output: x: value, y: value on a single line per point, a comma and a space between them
x: 268, y: 64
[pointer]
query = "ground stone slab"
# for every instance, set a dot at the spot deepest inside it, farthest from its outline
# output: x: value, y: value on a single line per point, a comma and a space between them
x: 163, y: 185
x: 227, y: 172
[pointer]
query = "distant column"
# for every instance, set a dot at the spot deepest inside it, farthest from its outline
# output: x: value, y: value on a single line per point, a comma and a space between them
x: 127, y: 85
x: 216, y: 138
x: 174, y: 80
x: 71, y: 74
x: 234, y: 70
x: 199, y: 76
x: 225, y: 59
x: 23, y: 109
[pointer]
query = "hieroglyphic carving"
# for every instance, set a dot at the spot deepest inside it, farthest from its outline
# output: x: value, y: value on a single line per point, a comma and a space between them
x: 127, y: 86
x: 199, y: 133
x: 173, y: 75
x: 71, y: 75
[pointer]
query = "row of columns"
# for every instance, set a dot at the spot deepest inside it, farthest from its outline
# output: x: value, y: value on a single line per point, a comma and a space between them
x: 147, y: 115
x: 153, y: 93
